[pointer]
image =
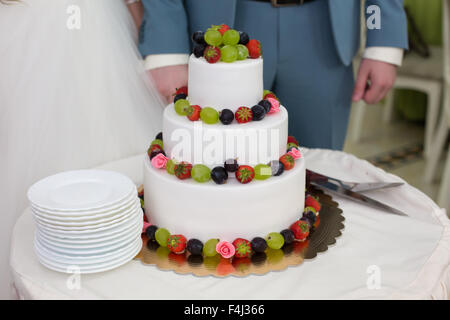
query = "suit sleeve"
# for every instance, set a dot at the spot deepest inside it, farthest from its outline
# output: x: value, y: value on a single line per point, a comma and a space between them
x: 393, y: 31
x: 164, y: 28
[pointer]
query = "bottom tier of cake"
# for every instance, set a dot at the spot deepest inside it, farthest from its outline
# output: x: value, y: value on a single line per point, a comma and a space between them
x: 226, y: 212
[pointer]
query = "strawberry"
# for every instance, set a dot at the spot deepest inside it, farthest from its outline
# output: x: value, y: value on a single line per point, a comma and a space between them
x: 193, y: 112
x: 288, y: 161
x: 292, y: 139
x: 243, y: 115
x: 310, y: 201
x: 223, y: 28
x: 245, y: 174
x: 300, y: 229
x: 212, y: 54
x: 176, y: 243
x: 183, y: 170
x: 182, y: 90
x: 243, y: 248
x: 154, y: 147
x: 254, y: 49
x: 270, y: 95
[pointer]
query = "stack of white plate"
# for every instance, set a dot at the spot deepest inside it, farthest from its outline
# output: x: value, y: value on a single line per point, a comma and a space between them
x: 86, y: 221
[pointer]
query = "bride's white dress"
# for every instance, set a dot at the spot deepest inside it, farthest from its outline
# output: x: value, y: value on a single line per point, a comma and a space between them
x: 69, y: 98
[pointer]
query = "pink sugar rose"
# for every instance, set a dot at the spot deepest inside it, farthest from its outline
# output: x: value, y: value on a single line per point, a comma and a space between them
x: 225, y: 249
x: 159, y: 161
x: 275, y: 105
x: 295, y: 153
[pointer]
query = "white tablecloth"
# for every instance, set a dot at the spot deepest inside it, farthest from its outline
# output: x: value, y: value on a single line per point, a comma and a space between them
x: 409, y: 255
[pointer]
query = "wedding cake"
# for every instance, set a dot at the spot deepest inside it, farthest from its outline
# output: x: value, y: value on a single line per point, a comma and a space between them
x: 224, y: 169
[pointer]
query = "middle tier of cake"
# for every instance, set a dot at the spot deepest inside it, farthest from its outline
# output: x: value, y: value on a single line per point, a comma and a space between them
x: 251, y: 143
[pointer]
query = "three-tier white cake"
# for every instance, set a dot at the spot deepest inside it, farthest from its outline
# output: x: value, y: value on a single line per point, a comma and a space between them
x: 231, y: 210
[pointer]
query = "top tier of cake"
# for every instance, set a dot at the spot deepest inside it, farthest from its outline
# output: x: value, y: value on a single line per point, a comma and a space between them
x: 225, y: 85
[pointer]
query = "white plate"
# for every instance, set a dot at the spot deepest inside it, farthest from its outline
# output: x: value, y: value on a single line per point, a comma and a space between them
x: 103, y: 249
x: 86, y: 215
x: 114, y: 216
x: 91, y: 242
x: 85, y: 269
x: 80, y: 190
x: 92, y: 236
x: 91, y: 229
x: 49, y: 255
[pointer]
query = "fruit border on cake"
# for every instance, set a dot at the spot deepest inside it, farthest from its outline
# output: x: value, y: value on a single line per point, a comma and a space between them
x: 269, y: 105
x: 319, y: 226
x: 219, y: 174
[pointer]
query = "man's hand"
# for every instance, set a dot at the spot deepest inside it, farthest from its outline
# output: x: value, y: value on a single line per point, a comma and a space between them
x: 381, y: 76
x: 168, y: 79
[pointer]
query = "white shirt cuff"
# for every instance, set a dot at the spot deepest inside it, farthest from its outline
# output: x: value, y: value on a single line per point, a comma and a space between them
x: 386, y: 54
x: 154, y: 61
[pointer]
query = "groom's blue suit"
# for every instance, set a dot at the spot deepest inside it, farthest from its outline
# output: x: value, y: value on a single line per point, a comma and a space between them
x: 307, y: 50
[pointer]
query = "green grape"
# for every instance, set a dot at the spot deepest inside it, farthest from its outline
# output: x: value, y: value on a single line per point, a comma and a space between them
x: 242, y: 52
x: 209, y: 115
x: 291, y: 144
x: 209, y: 248
x: 262, y: 172
x: 266, y: 92
x: 181, y: 107
x: 274, y: 240
x: 229, y: 53
x: 213, y: 37
x: 161, y: 236
x: 201, y: 173
x: 231, y: 37
x: 159, y: 142
x: 170, y: 166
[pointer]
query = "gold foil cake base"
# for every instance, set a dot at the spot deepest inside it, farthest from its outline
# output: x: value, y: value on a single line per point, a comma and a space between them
x: 329, y: 228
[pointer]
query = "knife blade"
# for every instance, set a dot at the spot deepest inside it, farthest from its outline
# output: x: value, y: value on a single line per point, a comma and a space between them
x: 354, y: 186
x: 358, y: 197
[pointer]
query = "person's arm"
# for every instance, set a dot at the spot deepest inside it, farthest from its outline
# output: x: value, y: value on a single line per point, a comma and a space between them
x: 384, y: 52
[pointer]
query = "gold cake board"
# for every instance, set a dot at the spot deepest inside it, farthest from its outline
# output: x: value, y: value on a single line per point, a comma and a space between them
x: 331, y: 223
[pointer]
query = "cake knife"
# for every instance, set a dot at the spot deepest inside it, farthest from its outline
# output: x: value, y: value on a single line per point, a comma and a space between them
x: 358, y: 197
x: 353, y: 186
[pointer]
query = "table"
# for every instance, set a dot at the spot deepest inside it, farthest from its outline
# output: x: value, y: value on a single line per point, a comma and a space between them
x: 378, y: 256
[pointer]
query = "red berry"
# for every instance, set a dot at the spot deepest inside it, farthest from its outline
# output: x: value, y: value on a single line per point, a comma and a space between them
x: 182, y: 90
x: 254, y: 49
x: 243, y: 248
x: 193, y: 112
x: 300, y: 229
x: 310, y: 201
x: 183, y: 170
x: 291, y: 139
x: 288, y: 161
x: 212, y: 54
x: 176, y: 243
x: 245, y: 174
x: 243, y: 115
x: 223, y: 28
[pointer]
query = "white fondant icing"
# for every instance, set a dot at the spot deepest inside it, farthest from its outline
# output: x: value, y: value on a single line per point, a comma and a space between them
x: 225, y: 85
x: 229, y: 211
x: 252, y: 143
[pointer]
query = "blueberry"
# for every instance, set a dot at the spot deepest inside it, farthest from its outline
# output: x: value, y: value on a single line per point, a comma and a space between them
x: 198, y: 37
x: 288, y: 236
x: 150, y: 232
x: 231, y: 165
x: 266, y: 104
x: 198, y: 50
x: 259, y: 244
x: 288, y: 248
x: 243, y: 38
x: 154, y: 153
x: 159, y: 136
x: 258, y: 112
x: 226, y: 116
x: 179, y: 96
x: 277, y: 167
x: 194, y: 246
x: 311, y: 216
x: 152, y: 245
x: 219, y: 175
